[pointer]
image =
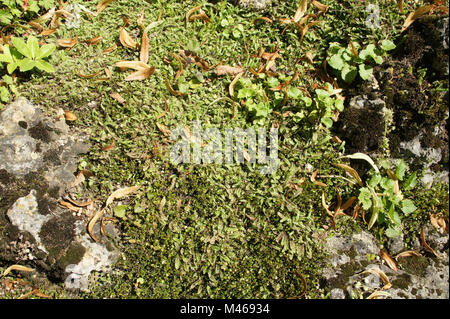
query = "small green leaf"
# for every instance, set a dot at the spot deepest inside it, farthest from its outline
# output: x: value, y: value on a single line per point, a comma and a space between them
x: 408, y: 206
x: 327, y: 121
x: 21, y: 46
x: 410, y: 182
x: 272, y: 82
x: 373, y: 182
x: 26, y: 64
x: 11, y: 67
x: 365, y: 197
x: 401, y: 169
x: 120, y: 210
x: 294, y: 92
x: 339, y: 105
x: 348, y: 73
x: 336, y: 62
x: 393, y: 231
x: 46, y: 50
x: 33, y: 46
x: 365, y: 71
x: 44, y: 66
x: 387, y: 45
x: 6, y: 56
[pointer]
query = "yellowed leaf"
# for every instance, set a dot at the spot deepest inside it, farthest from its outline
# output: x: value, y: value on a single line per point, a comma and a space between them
x: 141, y: 74
x: 70, y: 116
x: 190, y: 12
x: 68, y: 205
x: 89, y: 76
x: 407, y: 253
x: 171, y: 90
x: 95, y: 40
x: 47, y: 32
x: 233, y: 83
x: 110, y: 49
x: 126, y: 40
x: 438, y: 221
x: 320, y: 6
x: 18, y: 268
x: 163, y: 129
x: 135, y: 65
x: 350, y: 170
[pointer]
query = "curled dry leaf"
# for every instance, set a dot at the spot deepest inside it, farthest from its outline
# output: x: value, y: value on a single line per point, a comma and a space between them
x: 233, y: 83
x: 378, y: 293
x: 265, y: 19
x: 109, y: 147
x: 166, y: 110
x: 141, y: 74
x: 227, y: 70
x: 301, y: 10
x: 351, y: 171
x: 172, y: 91
x: 180, y: 70
x: 388, y: 259
x: 95, y: 40
x: 201, y: 16
x: 163, y: 129
x: 438, y: 221
x: 126, y: 40
x: 313, y: 179
x: 135, y: 65
x: 122, y: 192
x: 79, y: 204
x: 322, y: 7
x: 89, y: 76
x: 413, y: 16
x: 16, y: 267
x: 68, y: 205
x: 382, y: 275
x: 70, y: 116
x: 102, y: 5
x: 47, y: 32
x: 67, y: 43
x: 425, y: 244
x: 110, y: 49
x: 407, y: 253
x: 190, y: 12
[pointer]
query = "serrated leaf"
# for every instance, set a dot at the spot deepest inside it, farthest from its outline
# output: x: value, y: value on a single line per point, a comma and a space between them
x: 365, y: 197
x: 401, y: 169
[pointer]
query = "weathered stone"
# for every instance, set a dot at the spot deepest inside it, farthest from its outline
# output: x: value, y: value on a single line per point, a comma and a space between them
x: 254, y: 4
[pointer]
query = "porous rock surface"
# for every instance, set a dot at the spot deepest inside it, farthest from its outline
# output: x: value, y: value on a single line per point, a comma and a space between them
x: 38, y: 159
x: 355, y: 262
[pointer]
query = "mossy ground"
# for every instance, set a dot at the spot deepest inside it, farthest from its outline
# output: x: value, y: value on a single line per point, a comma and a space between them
x: 207, y: 231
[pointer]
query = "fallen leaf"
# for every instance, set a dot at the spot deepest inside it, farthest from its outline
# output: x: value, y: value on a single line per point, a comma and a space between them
x: 79, y: 204
x: 425, y: 244
x: 233, y: 83
x: 116, y: 96
x: 39, y: 294
x: 102, y: 5
x: 352, y: 172
x: 16, y: 267
x: 126, y: 40
x: 141, y: 74
x: 68, y: 205
x: 172, y: 91
x: 413, y: 16
x: 143, y: 55
x: 438, y: 221
x: 265, y: 19
x: 89, y: 76
x: 377, y: 294
x: 140, y: 20
x: 110, y: 49
x: 126, y: 21
x: 227, y: 70
x: 301, y: 10
x: 201, y: 16
x: 70, y: 116
x: 47, y: 32
x: 364, y: 157
x: 109, y: 147
x: 190, y: 12
x: 163, y: 129
x: 322, y: 7
x: 165, y: 111
x: 382, y: 275
x: 313, y: 179
x: 407, y: 253
x: 180, y: 70
x: 305, y: 29
x: 95, y: 40
x: 67, y: 43
x: 135, y: 65
x: 388, y: 259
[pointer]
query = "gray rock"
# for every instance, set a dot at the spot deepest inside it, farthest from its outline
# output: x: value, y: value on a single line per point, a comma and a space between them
x: 337, y: 293
x: 254, y: 4
x: 396, y: 244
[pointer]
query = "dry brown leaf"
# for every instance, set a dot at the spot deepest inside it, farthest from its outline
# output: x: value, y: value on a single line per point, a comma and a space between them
x: 47, y: 32
x: 140, y: 20
x: 68, y: 205
x: 109, y: 147
x: 201, y: 16
x: 438, y: 221
x: 172, y: 91
x: 233, y: 83
x: 39, y: 294
x: 413, y: 16
x: 388, y: 259
x: 141, y: 74
x: 110, y: 49
x: 322, y: 7
x: 95, y: 40
x: 89, y: 76
x: 265, y: 19
x: 305, y: 29
x: 163, y: 129
x: 116, y: 96
x: 313, y: 179
x: 67, y: 43
x: 102, y: 5
x: 79, y: 204
x: 377, y: 294
x: 425, y: 244
x: 165, y: 111
x: 324, y: 204
x: 126, y: 21
x: 126, y: 40
x: 382, y: 275
x: 190, y: 12
x: 301, y: 10
x: 70, y: 116
x: 16, y: 267
x: 180, y: 70
x: 350, y: 170
x: 143, y: 54
x: 407, y: 253
x: 135, y: 65
x: 227, y: 70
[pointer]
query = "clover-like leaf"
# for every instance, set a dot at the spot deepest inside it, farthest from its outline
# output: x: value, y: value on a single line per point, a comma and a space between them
x: 365, y: 71
x: 387, y: 45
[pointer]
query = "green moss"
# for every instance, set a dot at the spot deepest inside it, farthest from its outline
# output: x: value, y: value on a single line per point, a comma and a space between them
x: 402, y: 281
x: 73, y: 255
x: 415, y: 265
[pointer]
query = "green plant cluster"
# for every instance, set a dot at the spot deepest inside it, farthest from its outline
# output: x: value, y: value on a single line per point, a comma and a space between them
x: 349, y: 63
x: 383, y: 195
x: 27, y: 56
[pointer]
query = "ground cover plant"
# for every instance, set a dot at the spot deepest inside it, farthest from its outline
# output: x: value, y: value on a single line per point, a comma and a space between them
x: 127, y: 73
